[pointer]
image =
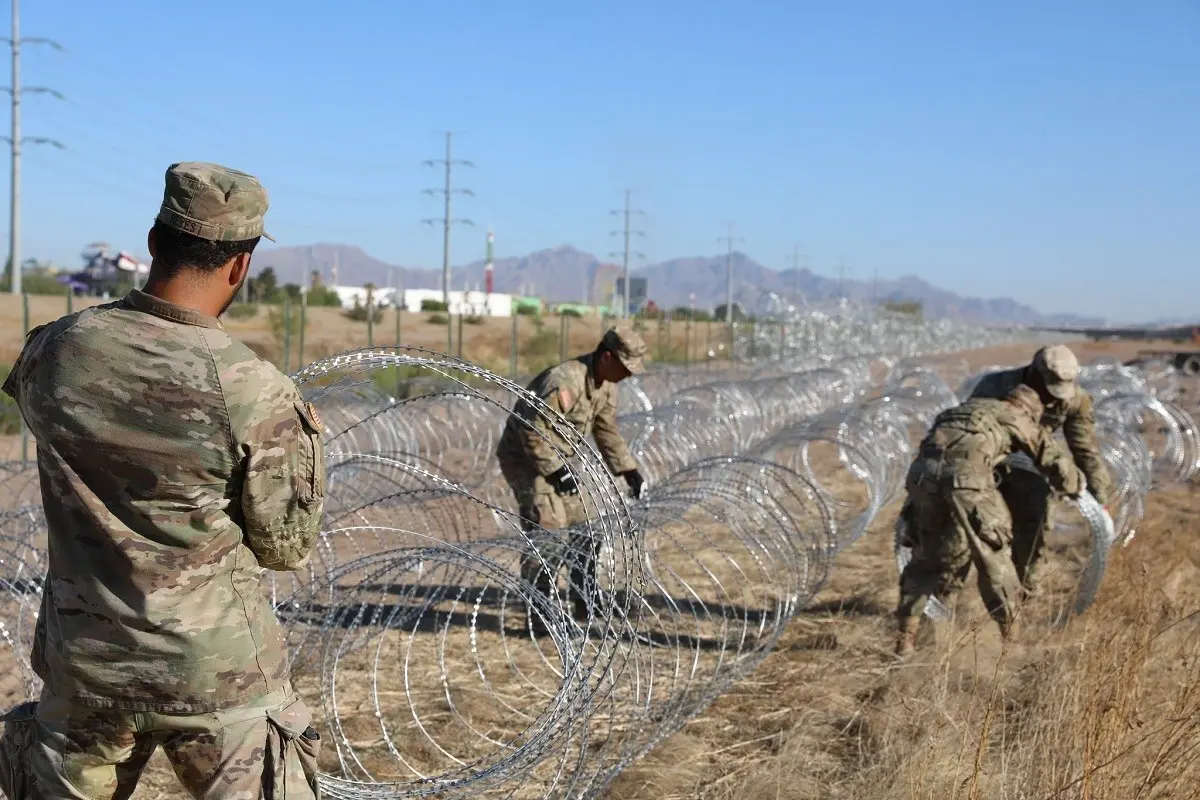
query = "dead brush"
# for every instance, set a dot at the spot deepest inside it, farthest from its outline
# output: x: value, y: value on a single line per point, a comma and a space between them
x: 1106, y: 707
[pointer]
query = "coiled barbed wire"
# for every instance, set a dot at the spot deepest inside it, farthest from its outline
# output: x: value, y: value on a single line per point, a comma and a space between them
x: 411, y: 630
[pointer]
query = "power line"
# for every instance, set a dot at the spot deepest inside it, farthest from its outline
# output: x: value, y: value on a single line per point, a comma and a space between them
x: 625, y: 253
x: 448, y: 221
x: 729, y: 240
x: 15, y: 141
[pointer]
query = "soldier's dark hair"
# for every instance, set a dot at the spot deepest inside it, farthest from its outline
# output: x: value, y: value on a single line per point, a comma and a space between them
x: 175, y: 250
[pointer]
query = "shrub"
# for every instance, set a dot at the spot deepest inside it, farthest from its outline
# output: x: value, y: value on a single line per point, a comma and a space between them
x: 473, y: 319
x: 434, y: 305
x: 527, y: 311
x: 359, y: 313
x: 438, y: 319
x: 242, y: 311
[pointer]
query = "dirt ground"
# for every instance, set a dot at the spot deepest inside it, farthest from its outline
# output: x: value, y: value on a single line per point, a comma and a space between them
x: 1106, y: 707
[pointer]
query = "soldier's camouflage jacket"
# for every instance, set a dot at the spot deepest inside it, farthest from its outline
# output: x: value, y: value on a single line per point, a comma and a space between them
x: 529, y: 440
x: 174, y: 465
x: 968, y: 441
x: 1077, y: 419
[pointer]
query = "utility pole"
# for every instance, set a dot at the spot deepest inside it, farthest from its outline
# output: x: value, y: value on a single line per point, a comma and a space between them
x: 448, y: 221
x: 729, y: 240
x: 15, y: 141
x: 796, y: 260
x: 627, y: 232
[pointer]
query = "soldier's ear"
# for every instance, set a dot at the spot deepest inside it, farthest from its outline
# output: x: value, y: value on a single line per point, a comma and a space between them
x: 241, y: 266
x: 151, y: 245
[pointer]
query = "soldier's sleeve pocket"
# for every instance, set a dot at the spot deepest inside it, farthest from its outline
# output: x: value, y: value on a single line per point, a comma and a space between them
x: 310, y: 475
x: 293, y: 748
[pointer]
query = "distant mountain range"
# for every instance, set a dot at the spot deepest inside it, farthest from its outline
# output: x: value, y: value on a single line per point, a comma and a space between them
x: 563, y: 274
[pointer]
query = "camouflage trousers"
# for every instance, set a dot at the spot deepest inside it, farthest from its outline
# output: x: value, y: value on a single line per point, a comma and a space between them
x: 54, y: 749
x: 957, y: 524
x: 543, y: 511
x: 1030, y: 501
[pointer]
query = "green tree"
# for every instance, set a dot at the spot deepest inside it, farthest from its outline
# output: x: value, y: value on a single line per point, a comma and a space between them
x: 264, y: 288
x: 323, y: 296
x: 909, y: 308
x: 738, y: 314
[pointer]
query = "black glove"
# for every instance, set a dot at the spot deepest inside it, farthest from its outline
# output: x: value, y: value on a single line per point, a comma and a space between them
x: 635, y: 481
x: 563, y: 482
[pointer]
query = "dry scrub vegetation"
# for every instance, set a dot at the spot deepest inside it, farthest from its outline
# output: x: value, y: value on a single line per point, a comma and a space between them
x: 1107, y: 706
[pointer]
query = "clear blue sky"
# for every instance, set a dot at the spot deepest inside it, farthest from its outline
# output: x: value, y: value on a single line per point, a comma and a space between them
x: 1040, y: 149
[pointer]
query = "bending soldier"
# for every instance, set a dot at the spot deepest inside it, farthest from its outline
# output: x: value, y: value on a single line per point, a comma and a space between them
x: 532, y: 455
x: 958, y: 517
x: 1053, y: 374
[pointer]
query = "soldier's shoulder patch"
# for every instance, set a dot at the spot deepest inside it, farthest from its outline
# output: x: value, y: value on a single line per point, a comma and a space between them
x: 316, y: 419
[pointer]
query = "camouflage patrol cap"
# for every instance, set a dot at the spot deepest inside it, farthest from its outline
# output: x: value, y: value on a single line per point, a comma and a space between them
x: 213, y: 202
x: 1026, y: 400
x: 1059, y: 368
x: 627, y: 345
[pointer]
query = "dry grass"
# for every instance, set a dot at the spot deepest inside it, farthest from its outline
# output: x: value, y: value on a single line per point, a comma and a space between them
x: 1106, y: 707
x: 329, y: 331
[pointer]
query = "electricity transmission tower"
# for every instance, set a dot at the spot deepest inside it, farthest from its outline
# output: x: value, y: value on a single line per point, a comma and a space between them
x: 625, y: 253
x: 729, y: 240
x: 15, y: 141
x: 448, y: 221
x: 797, y: 259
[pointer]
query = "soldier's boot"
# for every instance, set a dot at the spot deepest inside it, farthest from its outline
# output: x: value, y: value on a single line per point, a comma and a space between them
x: 1031, y: 584
x: 1009, y: 629
x: 906, y: 639
x: 533, y: 571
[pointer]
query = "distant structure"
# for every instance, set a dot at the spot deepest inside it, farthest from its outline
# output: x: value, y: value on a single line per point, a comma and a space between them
x: 106, y: 273
x: 488, y: 265
x: 638, y: 292
x: 466, y: 303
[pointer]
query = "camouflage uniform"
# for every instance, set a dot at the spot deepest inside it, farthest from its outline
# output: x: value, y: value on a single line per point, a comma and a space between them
x: 1027, y: 494
x: 531, y: 452
x: 175, y: 465
x: 958, y: 516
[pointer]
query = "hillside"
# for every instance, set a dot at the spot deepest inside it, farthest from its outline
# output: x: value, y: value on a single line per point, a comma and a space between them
x: 566, y: 274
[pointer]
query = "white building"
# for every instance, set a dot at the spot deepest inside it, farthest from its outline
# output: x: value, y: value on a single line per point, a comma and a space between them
x: 350, y: 294
x: 468, y: 303
x: 461, y: 303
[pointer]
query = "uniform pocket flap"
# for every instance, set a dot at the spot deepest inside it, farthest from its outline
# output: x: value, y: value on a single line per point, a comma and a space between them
x: 291, y: 719
x: 972, y: 480
x: 22, y: 713
x: 308, y: 416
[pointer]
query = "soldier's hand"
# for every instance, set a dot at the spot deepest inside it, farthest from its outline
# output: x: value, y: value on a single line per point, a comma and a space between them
x: 564, y: 482
x: 635, y: 480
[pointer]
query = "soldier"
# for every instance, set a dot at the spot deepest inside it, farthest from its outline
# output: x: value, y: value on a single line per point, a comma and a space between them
x: 958, y: 517
x: 531, y: 454
x: 175, y: 466
x: 1053, y: 375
